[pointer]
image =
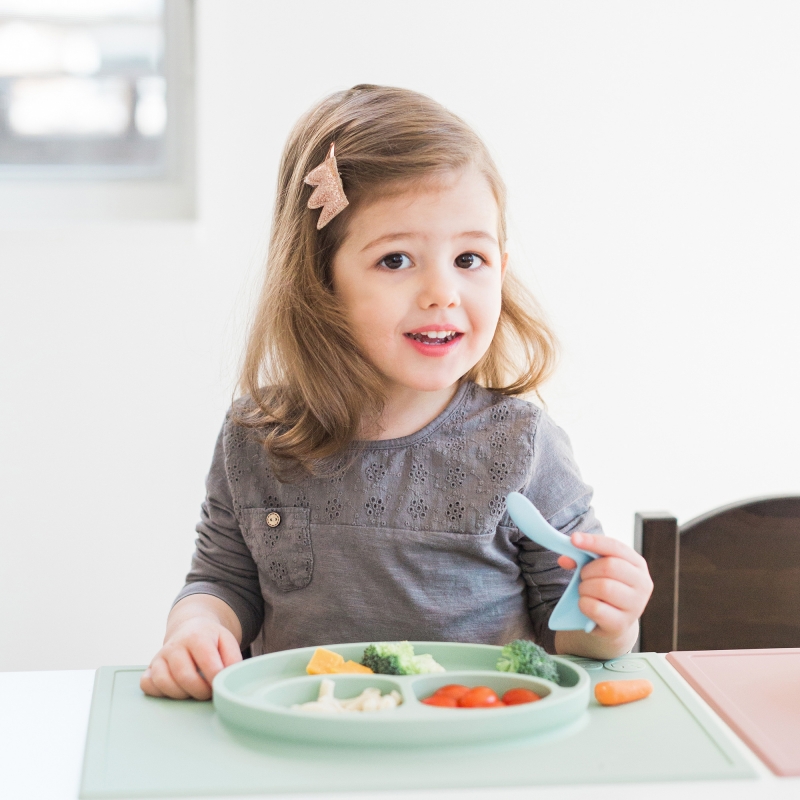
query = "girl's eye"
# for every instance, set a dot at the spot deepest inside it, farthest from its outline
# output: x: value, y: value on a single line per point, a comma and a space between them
x: 395, y: 261
x: 469, y: 260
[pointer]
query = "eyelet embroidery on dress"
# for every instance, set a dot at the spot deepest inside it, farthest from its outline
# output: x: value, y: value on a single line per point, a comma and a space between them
x: 455, y: 444
x: 499, y: 471
x: 497, y: 505
x: 418, y: 509
x: 500, y: 413
x: 277, y: 572
x: 418, y: 473
x: 234, y: 442
x: 375, y: 472
x: 454, y: 480
x: 374, y: 506
x: 288, y: 554
x: 498, y: 439
x: 458, y: 418
x: 455, y: 511
x: 455, y: 477
x: 333, y: 508
x: 283, y: 554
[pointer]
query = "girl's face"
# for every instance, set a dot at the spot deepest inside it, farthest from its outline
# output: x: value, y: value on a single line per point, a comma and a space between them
x: 419, y: 274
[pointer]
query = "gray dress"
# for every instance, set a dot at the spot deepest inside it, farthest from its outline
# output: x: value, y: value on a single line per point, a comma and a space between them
x: 412, y: 541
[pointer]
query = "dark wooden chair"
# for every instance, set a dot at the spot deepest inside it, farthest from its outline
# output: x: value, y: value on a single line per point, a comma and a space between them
x: 727, y: 580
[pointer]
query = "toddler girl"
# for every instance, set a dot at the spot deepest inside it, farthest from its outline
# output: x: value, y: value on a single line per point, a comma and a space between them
x: 357, y: 490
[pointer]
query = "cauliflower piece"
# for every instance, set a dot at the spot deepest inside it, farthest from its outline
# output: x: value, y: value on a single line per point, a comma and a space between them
x: 370, y: 699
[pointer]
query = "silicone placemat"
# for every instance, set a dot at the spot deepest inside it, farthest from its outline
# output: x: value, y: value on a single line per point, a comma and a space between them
x: 757, y: 692
x: 141, y: 746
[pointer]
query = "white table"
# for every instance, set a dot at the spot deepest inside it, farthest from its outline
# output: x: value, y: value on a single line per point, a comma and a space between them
x: 44, y: 716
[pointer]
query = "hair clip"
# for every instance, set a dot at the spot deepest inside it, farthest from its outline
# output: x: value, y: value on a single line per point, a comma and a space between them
x: 329, y: 192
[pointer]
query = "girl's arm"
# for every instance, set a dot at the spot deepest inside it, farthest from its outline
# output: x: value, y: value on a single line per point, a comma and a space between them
x: 203, y: 636
x: 614, y: 590
x: 220, y: 608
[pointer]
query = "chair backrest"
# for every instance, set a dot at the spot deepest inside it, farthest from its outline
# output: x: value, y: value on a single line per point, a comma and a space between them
x: 727, y: 580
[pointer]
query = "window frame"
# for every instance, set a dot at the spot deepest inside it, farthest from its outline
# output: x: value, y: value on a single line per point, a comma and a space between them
x: 117, y: 192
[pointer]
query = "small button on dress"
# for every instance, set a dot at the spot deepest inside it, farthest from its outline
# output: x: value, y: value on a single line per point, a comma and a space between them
x: 273, y: 519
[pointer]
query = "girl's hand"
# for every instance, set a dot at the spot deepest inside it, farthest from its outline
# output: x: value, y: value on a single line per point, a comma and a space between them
x: 199, y: 644
x: 614, y: 588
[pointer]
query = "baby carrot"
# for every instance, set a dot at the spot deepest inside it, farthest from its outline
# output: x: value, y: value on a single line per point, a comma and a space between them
x: 614, y: 693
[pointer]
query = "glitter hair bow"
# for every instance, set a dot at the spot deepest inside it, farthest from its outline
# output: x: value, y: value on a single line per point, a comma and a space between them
x: 329, y: 192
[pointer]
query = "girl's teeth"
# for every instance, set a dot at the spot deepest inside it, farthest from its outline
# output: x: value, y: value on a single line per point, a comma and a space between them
x: 434, y: 336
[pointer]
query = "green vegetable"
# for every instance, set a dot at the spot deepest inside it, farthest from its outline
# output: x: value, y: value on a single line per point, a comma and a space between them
x: 527, y: 658
x: 397, y: 658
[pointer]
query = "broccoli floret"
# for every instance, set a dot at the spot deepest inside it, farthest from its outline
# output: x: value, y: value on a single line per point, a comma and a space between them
x: 397, y: 658
x: 527, y: 658
x: 388, y: 658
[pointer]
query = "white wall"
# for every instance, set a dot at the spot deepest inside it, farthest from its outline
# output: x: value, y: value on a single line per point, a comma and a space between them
x: 652, y: 159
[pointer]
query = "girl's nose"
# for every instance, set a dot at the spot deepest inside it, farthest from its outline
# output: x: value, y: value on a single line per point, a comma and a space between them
x: 439, y: 288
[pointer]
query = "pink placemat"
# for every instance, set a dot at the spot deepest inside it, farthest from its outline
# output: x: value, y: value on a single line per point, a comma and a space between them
x: 757, y: 692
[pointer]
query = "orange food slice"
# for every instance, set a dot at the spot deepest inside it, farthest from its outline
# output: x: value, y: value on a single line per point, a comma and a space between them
x: 324, y: 662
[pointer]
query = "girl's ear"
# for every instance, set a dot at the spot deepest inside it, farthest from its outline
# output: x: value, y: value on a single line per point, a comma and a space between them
x: 503, y: 265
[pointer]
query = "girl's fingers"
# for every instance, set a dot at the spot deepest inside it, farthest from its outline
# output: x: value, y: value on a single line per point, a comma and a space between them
x: 187, y: 663
x: 208, y: 661
x: 229, y: 649
x: 609, y: 619
x: 147, y: 686
x: 606, y: 546
x: 616, y: 569
x: 613, y: 593
x: 183, y: 670
x: 614, y: 588
x: 211, y: 660
x: 162, y: 681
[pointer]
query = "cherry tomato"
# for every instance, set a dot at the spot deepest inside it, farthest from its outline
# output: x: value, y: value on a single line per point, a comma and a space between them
x: 515, y: 697
x: 440, y: 700
x: 480, y: 697
x: 454, y: 690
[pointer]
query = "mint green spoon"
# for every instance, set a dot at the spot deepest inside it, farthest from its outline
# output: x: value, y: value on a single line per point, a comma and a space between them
x: 566, y: 615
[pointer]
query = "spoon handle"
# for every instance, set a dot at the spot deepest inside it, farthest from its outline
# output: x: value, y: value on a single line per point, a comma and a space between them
x: 566, y: 615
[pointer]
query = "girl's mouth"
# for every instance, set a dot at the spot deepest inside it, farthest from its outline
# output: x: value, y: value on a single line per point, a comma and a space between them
x: 435, y: 342
x: 434, y: 338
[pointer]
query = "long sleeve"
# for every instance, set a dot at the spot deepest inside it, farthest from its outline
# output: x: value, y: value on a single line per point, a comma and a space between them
x: 222, y: 564
x: 557, y: 490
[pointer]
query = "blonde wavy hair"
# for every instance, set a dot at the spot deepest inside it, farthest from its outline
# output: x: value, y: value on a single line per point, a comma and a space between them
x: 310, y: 387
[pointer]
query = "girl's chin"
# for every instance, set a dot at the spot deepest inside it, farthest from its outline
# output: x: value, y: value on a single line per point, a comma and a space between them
x: 424, y: 384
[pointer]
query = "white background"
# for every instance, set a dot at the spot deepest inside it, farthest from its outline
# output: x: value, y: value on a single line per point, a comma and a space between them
x: 651, y: 152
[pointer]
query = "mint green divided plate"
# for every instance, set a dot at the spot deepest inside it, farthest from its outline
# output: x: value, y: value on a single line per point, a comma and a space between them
x: 257, y: 695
